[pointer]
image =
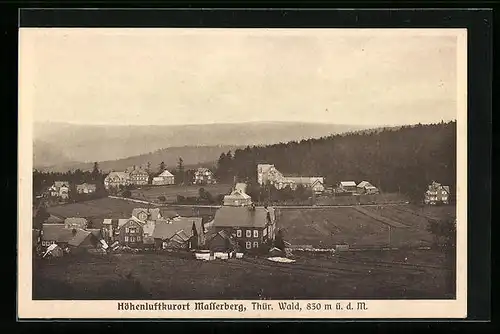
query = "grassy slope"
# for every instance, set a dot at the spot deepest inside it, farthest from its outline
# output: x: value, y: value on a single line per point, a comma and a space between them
x: 164, y: 276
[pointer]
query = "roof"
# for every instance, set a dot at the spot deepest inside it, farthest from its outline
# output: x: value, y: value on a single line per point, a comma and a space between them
x: 153, y: 213
x: 365, y: 184
x: 165, y: 173
x: 241, y: 186
x: 96, y: 232
x: 237, y: 194
x: 168, y: 213
x: 123, y: 221
x: 61, y: 183
x: 304, y: 179
x: 224, y: 235
x: 54, y: 220
x: 228, y: 216
x: 149, y: 227
x: 96, y: 223
x: 166, y: 230
x: 75, y: 220
x: 348, y: 184
x: 118, y: 175
x: 138, y: 171
x: 264, y: 167
x: 56, y: 232
x: 203, y: 169
x: 79, y: 237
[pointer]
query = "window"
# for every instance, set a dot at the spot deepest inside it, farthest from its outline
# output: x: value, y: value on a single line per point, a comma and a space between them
x: 255, y: 244
x: 238, y: 233
x: 255, y: 233
x: 126, y: 229
x: 132, y: 230
x: 248, y: 233
x: 126, y: 239
x: 248, y: 244
x: 138, y: 239
x: 132, y: 239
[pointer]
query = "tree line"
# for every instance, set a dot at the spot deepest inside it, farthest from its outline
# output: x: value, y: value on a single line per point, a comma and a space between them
x: 404, y: 159
x: 43, y: 180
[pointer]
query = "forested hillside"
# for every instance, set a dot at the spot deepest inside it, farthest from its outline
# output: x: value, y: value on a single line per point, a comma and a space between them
x: 405, y: 159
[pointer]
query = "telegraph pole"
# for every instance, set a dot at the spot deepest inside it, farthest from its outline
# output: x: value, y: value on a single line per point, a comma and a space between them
x: 390, y: 235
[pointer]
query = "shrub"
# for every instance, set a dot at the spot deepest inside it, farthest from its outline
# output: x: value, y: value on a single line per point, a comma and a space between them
x: 162, y: 198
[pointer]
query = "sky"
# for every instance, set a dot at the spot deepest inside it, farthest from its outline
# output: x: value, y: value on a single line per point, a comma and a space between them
x: 197, y: 76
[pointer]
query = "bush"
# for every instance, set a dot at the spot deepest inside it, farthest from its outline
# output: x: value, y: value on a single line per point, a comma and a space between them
x: 126, y: 193
x: 162, y: 198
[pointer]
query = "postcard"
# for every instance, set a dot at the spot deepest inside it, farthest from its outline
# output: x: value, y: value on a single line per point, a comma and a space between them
x: 242, y: 173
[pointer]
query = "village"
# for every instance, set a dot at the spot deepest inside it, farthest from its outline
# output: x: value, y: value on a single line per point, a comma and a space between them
x: 232, y: 228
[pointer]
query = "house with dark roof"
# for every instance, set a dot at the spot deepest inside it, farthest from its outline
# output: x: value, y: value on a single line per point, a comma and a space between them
x: 221, y: 241
x: 179, y: 232
x: 129, y: 232
x: 365, y: 187
x: 251, y: 227
x: 68, y: 237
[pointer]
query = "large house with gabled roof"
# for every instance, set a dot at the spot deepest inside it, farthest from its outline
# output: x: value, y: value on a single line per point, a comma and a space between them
x: 268, y: 173
x: 164, y: 178
x: 116, y: 179
x: 251, y: 227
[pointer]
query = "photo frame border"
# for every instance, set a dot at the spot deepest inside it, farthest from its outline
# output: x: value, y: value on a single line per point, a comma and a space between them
x: 479, y: 72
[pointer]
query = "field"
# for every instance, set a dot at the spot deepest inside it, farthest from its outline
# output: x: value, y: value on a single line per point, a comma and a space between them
x: 367, y: 275
x: 99, y: 208
x: 361, y: 199
x: 367, y: 226
x: 151, y: 193
x: 118, y: 208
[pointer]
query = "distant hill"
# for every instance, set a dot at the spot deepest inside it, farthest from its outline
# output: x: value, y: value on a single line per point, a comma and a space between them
x: 46, y: 155
x: 57, y: 144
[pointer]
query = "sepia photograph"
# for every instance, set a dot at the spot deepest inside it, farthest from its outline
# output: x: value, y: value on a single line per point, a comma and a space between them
x: 189, y: 170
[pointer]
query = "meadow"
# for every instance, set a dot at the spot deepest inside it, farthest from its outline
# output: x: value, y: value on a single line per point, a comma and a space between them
x: 368, y: 275
x: 151, y: 193
x: 367, y: 226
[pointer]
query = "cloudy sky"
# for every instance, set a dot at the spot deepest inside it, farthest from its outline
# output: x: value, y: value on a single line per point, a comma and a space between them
x: 193, y: 76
